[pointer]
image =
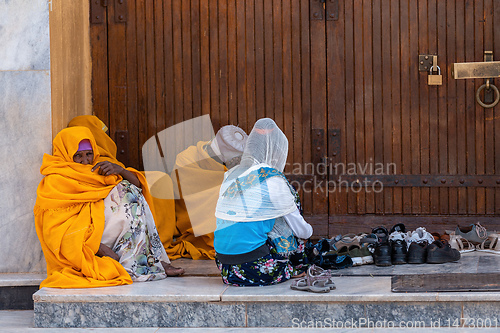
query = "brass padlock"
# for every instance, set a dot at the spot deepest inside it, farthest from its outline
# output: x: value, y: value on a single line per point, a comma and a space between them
x: 435, y: 79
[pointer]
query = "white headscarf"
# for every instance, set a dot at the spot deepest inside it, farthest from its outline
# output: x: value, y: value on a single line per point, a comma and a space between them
x: 266, y: 147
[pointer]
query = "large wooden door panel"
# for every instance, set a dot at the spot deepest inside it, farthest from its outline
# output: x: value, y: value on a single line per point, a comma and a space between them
x: 345, y: 89
x: 387, y: 114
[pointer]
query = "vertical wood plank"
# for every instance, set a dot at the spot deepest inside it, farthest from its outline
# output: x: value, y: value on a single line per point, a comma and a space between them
x: 241, y: 63
x: 278, y: 62
x: 150, y: 69
x: 214, y: 64
x: 377, y: 96
x: 359, y: 100
x: 287, y: 75
x: 99, y: 54
x: 223, y: 63
x: 479, y: 21
x: 269, y: 58
x: 433, y: 109
x: 414, y: 106
x: 496, y: 120
x: 368, y: 100
x: 232, y: 64
x: 205, y: 57
x: 424, y: 47
x: 350, y: 101
x: 259, y: 60
x: 386, y: 99
x: 470, y: 104
x: 178, y: 63
x: 135, y: 156
x: 396, y: 102
x: 160, y: 121
x: 318, y: 102
x: 489, y: 115
x: 305, y: 44
x: 196, y: 58
x: 461, y: 105
x: 186, y: 60
x: 250, y: 61
x: 451, y: 56
x: 407, y: 70
x: 442, y: 105
x: 337, y: 106
x: 142, y: 100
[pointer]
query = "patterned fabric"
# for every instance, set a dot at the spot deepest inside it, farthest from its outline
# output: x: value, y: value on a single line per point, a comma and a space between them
x: 268, y: 270
x: 131, y: 233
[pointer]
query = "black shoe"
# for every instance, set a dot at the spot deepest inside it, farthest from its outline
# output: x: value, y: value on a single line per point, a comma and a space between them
x: 382, y: 234
x: 417, y: 253
x: 439, y: 253
x: 399, y: 252
x: 382, y: 253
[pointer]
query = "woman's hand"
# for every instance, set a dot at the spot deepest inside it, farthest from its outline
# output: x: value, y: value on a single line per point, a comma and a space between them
x: 105, y: 251
x: 107, y: 168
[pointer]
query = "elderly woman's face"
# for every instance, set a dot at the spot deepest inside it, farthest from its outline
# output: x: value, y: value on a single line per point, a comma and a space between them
x: 84, y: 157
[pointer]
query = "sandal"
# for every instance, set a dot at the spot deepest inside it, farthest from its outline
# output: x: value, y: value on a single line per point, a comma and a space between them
x: 461, y: 244
x: 315, y: 273
x: 315, y: 286
x: 491, y: 244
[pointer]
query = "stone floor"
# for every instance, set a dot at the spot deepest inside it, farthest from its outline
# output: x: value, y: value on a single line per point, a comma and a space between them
x: 199, y: 299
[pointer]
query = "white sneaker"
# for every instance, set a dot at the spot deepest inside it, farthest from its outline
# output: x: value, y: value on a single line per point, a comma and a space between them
x: 420, y: 235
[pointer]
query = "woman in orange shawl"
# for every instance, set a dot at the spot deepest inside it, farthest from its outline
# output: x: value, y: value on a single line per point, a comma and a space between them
x: 70, y: 218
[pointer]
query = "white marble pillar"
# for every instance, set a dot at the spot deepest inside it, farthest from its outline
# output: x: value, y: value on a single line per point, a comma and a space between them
x: 25, y: 128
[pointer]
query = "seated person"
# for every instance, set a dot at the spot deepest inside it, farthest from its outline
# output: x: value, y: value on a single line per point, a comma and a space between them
x: 256, y: 207
x: 95, y: 226
x: 197, y: 176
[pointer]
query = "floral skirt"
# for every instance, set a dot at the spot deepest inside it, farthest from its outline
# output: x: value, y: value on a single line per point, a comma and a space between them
x: 130, y: 231
x: 271, y: 269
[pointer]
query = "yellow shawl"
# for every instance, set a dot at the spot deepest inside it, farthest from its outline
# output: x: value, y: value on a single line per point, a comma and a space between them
x: 69, y: 217
x: 163, y: 209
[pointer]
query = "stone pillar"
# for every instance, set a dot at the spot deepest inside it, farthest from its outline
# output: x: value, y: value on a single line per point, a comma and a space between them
x: 25, y: 128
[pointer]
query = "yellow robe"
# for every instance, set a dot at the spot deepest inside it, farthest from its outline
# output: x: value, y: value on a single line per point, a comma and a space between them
x: 163, y: 209
x: 69, y: 217
x: 197, y: 179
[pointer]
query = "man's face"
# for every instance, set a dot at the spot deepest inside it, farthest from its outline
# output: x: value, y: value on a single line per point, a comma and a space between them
x: 84, y: 157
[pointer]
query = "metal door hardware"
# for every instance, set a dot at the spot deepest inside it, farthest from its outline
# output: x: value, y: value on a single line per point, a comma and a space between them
x: 435, y: 79
x: 488, y: 69
x: 426, y: 61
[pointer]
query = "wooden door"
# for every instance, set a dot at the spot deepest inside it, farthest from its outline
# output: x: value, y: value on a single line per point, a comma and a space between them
x: 436, y: 150
x: 340, y: 77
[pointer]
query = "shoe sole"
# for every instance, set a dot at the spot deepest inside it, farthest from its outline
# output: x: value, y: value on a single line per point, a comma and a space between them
x: 416, y: 260
x: 399, y: 260
x: 358, y: 261
x: 441, y: 260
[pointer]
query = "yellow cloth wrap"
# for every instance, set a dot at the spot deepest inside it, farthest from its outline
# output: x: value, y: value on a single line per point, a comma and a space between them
x: 200, y: 179
x: 163, y: 209
x: 107, y: 152
x: 69, y: 217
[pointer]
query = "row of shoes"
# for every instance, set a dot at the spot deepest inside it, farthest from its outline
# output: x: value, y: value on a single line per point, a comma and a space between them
x: 397, y: 247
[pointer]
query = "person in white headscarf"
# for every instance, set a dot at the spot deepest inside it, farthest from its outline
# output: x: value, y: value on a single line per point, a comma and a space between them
x: 258, y: 219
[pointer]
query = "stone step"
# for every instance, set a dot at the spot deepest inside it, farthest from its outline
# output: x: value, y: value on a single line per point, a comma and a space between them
x: 197, y: 301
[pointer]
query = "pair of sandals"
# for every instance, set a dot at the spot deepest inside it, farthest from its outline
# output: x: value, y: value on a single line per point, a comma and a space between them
x: 317, y: 280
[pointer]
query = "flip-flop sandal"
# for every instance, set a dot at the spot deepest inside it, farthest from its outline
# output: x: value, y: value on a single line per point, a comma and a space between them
x: 316, y: 286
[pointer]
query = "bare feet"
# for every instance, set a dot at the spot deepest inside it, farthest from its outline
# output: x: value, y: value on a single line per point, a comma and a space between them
x: 171, y: 270
x: 105, y: 250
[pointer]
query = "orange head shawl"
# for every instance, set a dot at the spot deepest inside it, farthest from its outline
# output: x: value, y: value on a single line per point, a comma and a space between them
x: 69, y: 217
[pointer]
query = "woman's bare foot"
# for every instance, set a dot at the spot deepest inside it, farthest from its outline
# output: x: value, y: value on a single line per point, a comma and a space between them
x: 299, y: 275
x: 171, y: 270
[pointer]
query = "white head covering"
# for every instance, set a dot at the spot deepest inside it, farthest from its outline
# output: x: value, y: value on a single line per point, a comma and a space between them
x: 266, y: 146
x: 229, y: 142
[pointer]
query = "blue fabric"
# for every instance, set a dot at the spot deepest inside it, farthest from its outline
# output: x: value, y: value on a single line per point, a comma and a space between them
x: 240, y: 237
